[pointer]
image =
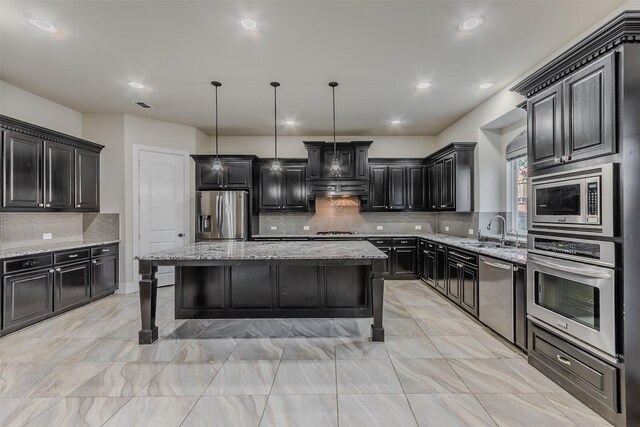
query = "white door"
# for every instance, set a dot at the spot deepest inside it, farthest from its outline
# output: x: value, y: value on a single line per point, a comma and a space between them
x: 163, y: 206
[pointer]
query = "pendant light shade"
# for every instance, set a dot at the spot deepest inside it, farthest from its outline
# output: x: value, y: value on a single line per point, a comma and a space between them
x: 275, y: 166
x: 335, y: 165
x: 217, y: 164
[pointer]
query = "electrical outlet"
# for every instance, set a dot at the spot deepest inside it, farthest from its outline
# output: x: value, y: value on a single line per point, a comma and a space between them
x: 274, y: 228
x: 380, y: 227
x: 306, y: 228
x: 446, y: 229
x: 418, y: 227
x: 283, y: 291
x: 47, y: 236
x: 471, y: 231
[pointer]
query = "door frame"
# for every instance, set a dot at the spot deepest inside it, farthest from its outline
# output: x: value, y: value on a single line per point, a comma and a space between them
x: 135, y: 236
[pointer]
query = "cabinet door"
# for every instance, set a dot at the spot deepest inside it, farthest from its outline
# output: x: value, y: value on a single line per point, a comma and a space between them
x: 387, y: 262
x: 270, y: 189
x: 416, y: 189
x: 397, y: 187
x: 207, y: 178
x: 237, y: 175
x: 379, y: 188
x: 448, y: 198
x: 345, y: 160
x: 441, y: 269
x: 72, y: 285
x: 27, y: 298
x: 439, y: 184
x: 22, y: 171
x: 59, y: 176
x: 421, y: 255
x: 453, y: 280
x: 404, y: 261
x: 294, y: 188
x: 87, y: 180
x: 433, y: 186
x: 104, y: 276
x: 362, y: 162
x: 520, y: 290
x: 430, y: 267
x: 544, y: 114
x: 314, y: 164
x: 590, y: 110
x: 469, y: 289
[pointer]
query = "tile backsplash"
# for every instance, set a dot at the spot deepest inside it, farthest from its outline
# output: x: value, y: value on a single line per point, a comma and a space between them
x: 27, y: 229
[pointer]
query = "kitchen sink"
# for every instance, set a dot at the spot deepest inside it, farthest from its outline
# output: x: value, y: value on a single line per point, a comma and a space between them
x: 491, y: 245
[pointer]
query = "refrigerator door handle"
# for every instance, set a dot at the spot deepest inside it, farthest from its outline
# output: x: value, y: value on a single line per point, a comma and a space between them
x: 219, y: 200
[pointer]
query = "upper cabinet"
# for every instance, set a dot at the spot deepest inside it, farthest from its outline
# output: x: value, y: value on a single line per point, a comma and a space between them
x: 236, y: 173
x: 353, y: 158
x: 449, y: 174
x: 285, y: 189
x: 574, y: 119
x: 396, y: 185
x: 43, y: 170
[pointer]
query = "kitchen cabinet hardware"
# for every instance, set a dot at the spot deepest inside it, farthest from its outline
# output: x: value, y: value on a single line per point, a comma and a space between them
x: 563, y: 360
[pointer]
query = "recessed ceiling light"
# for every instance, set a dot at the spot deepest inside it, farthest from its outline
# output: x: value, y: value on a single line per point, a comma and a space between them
x: 471, y: 24
x: 135, y: 85
x: 396, y: 122
x: 290, y: 122
x: 424, y: 85
x: 249, y: 24
x: 483, y: 86
x: 43, y: 25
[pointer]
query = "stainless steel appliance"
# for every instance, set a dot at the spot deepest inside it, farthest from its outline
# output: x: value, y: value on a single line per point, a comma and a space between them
x: 577, y: 201
x: 571, y: 289
x: 495, y: 296
x: 222, y: 215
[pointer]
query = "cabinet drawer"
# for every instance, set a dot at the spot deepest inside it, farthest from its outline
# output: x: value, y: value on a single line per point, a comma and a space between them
x: 462, y: 256
x: 577, y: 368
x: 104, y: 250
x: 29, y: 263
x: 408, y: 241
x: 380, y: 241
x: 76, y: 255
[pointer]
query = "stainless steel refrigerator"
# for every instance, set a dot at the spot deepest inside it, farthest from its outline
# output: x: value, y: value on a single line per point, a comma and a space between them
x: 222, y: 215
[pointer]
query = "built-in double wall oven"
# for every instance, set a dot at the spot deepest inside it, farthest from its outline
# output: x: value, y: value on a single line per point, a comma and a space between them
x: 580, y: 201
x: 571, y: 287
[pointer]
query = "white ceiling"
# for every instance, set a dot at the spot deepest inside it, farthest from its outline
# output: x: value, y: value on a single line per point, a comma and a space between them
x: 377, y: 50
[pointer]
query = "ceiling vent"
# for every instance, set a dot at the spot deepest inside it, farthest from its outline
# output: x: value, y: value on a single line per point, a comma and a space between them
x: 142, y: 104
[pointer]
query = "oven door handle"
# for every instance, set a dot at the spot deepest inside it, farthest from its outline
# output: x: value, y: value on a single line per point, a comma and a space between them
x: 578, y: 271
x: 496, y: 265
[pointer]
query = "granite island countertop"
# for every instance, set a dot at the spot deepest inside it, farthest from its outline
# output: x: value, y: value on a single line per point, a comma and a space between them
x: 508, y: 254
x: 270, y: 250
x: 52, y: 247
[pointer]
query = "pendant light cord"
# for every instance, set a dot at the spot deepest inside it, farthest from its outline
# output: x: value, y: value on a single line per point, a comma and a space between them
x: 335, y: 154
x: 216, y: 85
x: 275, y: 119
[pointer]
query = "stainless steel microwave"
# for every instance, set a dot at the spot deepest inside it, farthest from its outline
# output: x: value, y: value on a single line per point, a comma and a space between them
x: 580, y: 201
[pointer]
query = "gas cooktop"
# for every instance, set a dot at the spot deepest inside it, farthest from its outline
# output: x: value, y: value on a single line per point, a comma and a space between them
x: 336, y: 233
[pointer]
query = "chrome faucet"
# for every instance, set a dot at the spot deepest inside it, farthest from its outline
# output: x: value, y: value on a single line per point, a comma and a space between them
x: 514, y: 231
x: 504, y: 226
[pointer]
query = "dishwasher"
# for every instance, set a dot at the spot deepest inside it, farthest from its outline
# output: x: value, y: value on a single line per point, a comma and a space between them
x: 495, y: 295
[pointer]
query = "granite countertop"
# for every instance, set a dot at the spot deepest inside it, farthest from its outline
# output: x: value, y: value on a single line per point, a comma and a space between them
x: 508, y: 254
x: 250, y: 250
x: 52, y: 247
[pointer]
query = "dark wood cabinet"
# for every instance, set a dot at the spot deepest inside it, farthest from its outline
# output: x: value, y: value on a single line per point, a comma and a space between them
x: 575, y: 119
x: 361, y: 171
x: 402, y: 256
x: 590, y: 111
x: 416, y: 194
x: 27, y: 298
x: 353, y: 158
x: 454, y: 274
x: 404, y: 261
x: 520, y: 292
x: 104, y: 276
x: 87, y: 180
x: 285, y: 189
x: 450, y: 177
x: 379, y: 188
x: 441, y: 269
x: 72, y: 285
x: 22, y: 171
x: 429, y: 263
x: 469, y: 289
x: 346, y: 160
x: 44, y: 170
x: 236, y: 173
x: 397, y: 187
x: 59, y: 176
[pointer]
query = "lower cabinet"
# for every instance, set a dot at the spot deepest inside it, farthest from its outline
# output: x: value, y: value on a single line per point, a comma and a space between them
x: 402, y: 256
x: 71, y: 285
x: 104, y: 273
x: 454, y: 269
x: 469, y: 289
x: 27, y: 298
x: 440, y: 274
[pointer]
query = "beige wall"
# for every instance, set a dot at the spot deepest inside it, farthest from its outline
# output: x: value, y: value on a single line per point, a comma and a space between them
x: 26, y: 106
x: 292, y: 147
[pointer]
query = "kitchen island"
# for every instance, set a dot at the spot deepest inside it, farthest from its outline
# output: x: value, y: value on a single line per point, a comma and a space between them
x: 246, y: 279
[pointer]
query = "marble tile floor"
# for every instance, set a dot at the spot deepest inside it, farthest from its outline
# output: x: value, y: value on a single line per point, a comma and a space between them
x: 438, y: 367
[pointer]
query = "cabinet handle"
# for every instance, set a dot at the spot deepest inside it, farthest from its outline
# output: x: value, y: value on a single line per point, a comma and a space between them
x: 94, y: 261
x: 105, y: 250
x: 460, y: 255
x: 48, y: 205
x: 460, y: 265
x: 73, y: 256
x: 443, y: 206
x: 41, y: 205
x: 440, y: 247
x: 563, y: 360
x: 77, y: 206
x: 51, y: 270
x: 557, y: 160
x: 58, y: 269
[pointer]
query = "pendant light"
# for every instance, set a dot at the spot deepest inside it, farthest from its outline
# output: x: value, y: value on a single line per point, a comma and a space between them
x: 335, y: 165
x: 217, y: 164
x: 275, y: 166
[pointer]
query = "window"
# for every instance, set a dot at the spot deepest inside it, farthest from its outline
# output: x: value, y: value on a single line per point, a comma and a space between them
x: 517, y: 173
